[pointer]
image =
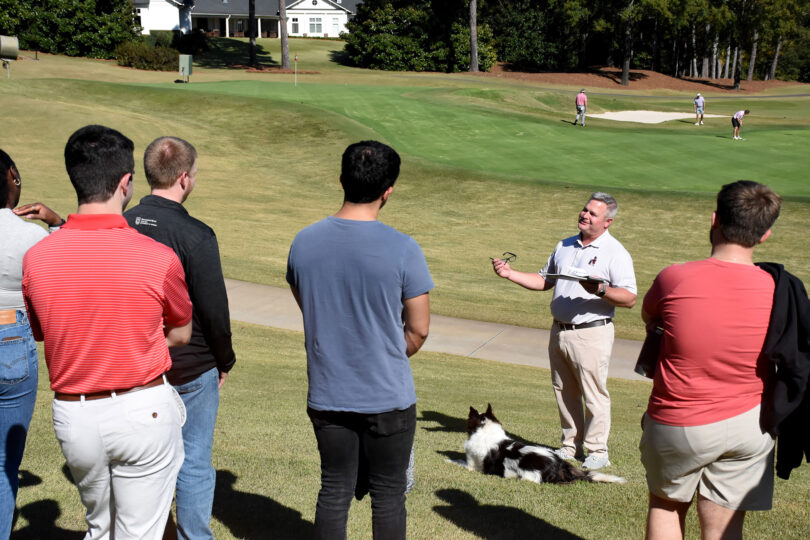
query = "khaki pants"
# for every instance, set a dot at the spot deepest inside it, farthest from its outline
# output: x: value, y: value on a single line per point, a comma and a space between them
x: 579, y: 362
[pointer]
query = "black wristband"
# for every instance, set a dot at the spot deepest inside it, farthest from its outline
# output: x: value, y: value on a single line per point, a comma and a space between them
x: 600, y: 292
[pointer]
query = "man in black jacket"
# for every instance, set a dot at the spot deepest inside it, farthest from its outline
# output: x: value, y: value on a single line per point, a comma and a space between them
x: 199, y: 368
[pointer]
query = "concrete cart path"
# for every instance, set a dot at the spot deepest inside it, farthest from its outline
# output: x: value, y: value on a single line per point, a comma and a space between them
x: 276, y: 307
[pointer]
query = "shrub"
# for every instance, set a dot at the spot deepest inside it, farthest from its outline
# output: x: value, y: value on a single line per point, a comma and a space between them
x: 195, y: 42
x: 416, y: 36
x: 73, y: 27
x: 523, y: 38
x: 460, y: 49
x: 140, y: 55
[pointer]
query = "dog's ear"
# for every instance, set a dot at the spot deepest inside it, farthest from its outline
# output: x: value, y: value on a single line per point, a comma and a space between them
x: 489, y: 409
x: 473, y: 412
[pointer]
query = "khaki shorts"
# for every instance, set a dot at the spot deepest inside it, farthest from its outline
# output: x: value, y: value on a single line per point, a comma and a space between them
x: 728, y: 462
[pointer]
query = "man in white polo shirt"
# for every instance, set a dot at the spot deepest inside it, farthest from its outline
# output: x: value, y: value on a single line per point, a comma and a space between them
x: 700, y: 105
x: 581, y: 339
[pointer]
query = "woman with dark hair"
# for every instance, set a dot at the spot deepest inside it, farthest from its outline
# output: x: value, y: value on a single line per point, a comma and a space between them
x: 18, y: 350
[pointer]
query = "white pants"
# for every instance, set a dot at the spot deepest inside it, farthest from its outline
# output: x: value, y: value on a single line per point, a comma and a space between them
x: 124, y: 453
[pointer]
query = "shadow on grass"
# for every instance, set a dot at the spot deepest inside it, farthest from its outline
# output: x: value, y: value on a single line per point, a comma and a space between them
x: 459, y: 457
x: 41, y: 517
x: 495, y: 522
x: 616, y: 76
x: 713, y: 84
x: 252, y: 516
x: 66, y: 473
x: 447, y: 424
x: 28, y: 479
x: 340, y: 57
x: 232, y: 53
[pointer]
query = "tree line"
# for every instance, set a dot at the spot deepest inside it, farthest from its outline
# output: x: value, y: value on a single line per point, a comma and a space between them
x: 710, y: 39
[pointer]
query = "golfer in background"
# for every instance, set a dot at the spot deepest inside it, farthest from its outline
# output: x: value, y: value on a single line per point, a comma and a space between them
x: 700, y: 105
x: 581, y: 102
x: 736, y: 123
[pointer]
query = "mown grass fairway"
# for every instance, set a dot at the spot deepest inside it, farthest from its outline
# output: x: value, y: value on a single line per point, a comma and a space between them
x: 268, y: 466
x: 488, y: 165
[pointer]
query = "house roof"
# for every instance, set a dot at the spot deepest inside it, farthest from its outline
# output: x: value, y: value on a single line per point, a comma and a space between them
x: 234, y: 7
x: 264, y: 8
x: 351, y: 5
x: 337, y: 4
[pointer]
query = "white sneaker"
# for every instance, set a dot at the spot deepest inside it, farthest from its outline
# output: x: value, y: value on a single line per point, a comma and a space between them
x: 701, y: 122
x: 697, y: 123
x: 567, y: 456
x: 596, y: 461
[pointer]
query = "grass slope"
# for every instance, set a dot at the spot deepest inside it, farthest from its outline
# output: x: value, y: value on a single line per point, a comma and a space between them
x: 489, y: 164
x: 268, y: 466
x: 490, y: 132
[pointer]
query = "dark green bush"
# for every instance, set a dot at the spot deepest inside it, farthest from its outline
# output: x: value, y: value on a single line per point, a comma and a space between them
x: 162, y: 38
x: 415, y: 36
x: 140, y: 55
x: 460, y: 40
x: 195, y: 42
x: 72, y: 27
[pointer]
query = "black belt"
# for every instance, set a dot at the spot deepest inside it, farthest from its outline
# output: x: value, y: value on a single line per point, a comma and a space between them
x: 569, y: 326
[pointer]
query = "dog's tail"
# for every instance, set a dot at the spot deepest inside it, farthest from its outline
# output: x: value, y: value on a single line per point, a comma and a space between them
x: 602, y: 477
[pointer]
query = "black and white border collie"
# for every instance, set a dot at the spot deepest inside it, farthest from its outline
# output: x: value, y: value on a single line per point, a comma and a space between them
x: 490, y: 451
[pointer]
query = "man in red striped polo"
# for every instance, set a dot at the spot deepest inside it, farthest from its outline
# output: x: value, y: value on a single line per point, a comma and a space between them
x: 108, y: 302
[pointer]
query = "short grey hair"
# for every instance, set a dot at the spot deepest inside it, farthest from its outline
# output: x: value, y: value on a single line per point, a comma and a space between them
x: 610, y: 202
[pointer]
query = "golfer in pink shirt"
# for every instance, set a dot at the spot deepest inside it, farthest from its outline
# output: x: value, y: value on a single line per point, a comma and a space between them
x: 581, y: 102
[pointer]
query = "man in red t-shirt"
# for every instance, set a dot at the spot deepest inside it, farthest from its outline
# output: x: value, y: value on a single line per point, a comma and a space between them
x: 108, y: 302
x: 701, y: 429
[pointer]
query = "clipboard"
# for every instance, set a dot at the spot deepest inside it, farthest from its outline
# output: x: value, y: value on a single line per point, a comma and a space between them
x: 574, y: 277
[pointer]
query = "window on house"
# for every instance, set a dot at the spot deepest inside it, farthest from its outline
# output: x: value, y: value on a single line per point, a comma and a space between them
x: 294, y: 25
x: 335, y: 26
x: 240, y: 25
x: 315, y: 26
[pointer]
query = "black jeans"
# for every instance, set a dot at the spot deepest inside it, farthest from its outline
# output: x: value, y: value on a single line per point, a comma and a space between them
x: 377, y: 443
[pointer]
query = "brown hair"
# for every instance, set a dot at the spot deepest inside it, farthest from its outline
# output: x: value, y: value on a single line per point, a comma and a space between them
x: 165, y: 159
x: 745, y: 211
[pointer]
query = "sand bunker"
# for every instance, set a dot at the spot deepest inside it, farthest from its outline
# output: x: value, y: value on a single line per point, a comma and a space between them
x: 649, y: 117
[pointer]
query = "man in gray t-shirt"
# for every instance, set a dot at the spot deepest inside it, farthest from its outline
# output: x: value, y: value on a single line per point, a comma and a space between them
x: 363, y: 290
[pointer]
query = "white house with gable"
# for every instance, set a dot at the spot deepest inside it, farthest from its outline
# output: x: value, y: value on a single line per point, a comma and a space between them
x: 318, y: 18
x: 163, y: 14
x: 227, y: 18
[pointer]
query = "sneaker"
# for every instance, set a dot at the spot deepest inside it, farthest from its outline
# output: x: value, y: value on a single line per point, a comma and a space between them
x: 596, y: 461
x: 563, y: 453
x: 701, y: 122
x: 698, y: 123
x: 567, y: 455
